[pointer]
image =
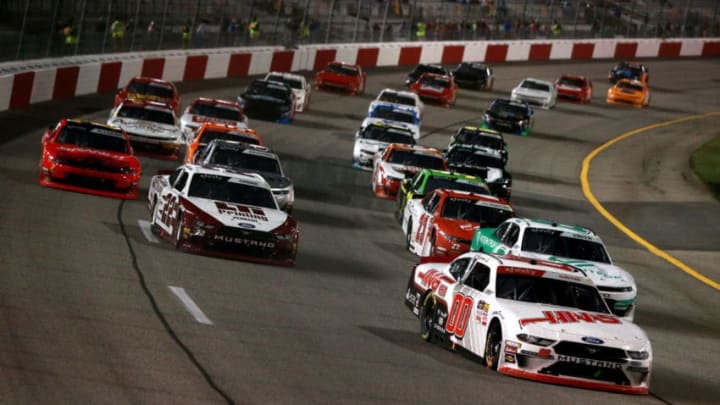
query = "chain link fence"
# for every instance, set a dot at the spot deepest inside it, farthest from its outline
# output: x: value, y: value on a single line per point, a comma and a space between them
x: 31, y: 29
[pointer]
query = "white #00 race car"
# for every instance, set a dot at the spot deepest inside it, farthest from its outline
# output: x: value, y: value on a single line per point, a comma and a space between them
x: 398, y: 97
x: 151, y: 126
x: 531, y: 319
x: 535, y: 91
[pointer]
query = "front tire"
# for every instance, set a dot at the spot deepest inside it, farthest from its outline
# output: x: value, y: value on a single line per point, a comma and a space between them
x: 408, y: 235
x: 178, y: 230
x: 493, y: 344
x: 154, y: 228
x: 427, y: 316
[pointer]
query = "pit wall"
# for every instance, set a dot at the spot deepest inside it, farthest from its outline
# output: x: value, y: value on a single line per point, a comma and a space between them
x: 27, y: 82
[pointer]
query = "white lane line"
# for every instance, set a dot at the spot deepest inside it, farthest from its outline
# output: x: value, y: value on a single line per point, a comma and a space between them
x: 190, y: 305
x: 145, y: 228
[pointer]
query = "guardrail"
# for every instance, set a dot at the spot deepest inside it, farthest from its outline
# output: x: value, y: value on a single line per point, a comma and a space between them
x: 28, y: 82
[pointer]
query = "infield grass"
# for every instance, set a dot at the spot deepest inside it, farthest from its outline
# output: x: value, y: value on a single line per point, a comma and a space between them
x: 706, y: 163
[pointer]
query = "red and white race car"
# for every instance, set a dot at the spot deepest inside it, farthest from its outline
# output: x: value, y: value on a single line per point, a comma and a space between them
x: 440, y: 89
x: 530, y: 319
x: 149, y: 89
x: 222, y: 213
x: 91, y: 158
x: 399, y: 161
x: 341, y: 77
x: 444, y: 221
x: 203, y: 110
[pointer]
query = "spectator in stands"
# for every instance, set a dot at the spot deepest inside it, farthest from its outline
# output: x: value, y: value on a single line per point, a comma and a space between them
x: 185, y: 35
x: 117, y: 32
x: 253, y: 28
x: 556, y: 28
x: 420, y: 30
x: 71, y: 37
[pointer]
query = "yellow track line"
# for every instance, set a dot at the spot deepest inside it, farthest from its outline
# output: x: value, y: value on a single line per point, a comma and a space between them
x: 589, y: 195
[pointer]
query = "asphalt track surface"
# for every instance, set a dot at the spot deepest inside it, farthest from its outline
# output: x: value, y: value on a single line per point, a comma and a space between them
x: 87, y: 315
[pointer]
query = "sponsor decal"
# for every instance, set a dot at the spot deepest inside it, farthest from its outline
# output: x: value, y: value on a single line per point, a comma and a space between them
x: 201, y: 118
x: 481, y: 312
x: 554, y: 317
x: 592, y: 340
x: 589, y: 362
x: 246, y: 225
x: 241, y: 212
x: 510, y: 358
x: 245, y: 242
x: 442, y: 290
x: 511, y: 347
x: 433, y: 279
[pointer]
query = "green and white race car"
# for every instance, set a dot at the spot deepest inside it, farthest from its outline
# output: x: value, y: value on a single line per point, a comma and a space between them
x: 567, y: 244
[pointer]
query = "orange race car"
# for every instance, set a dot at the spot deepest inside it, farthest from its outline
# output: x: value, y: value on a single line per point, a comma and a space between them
x: 630, y: 91
x: 443, y: 222
x: 152, y: 89
x: 209, y: 131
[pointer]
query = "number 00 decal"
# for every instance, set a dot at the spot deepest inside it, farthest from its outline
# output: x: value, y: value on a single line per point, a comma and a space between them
x: 459, y: 315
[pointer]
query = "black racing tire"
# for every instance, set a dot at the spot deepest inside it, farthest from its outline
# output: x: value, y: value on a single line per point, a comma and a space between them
x: 493, y: 346
x: 399, y: 207
x: 154, y: 228
x: 408, y: 235
x: 431, y: 251
x: 427, y: 316
x: 178, y: 230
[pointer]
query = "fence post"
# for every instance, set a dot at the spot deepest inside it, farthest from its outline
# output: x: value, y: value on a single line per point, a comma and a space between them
x: 685, y: 18
x: 80, y: 27
x: 53, y: 28
x: 384, y: 21
x: 357, y: 20
x: 22, y: 29
x: 630, y: 23
x: 329, y: 23
x: 162, y: 25
x: 135, y: 25
x: 107, y: 27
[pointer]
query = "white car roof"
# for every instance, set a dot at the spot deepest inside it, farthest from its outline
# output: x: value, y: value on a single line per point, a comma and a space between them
x: 520, y: 264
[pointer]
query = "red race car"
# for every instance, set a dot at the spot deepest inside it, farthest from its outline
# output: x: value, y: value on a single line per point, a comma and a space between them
x: 399, y: 161
x: 151, y: 89
x: 436, y: 88
x: 91, y: 158
x: 443, y: 222
x: 575, y: 88
x: 341, y: 77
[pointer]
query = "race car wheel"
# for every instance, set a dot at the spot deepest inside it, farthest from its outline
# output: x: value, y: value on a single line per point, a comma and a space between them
x: 431, y: 247
x: 492, y: 346
x: 399, y: 207
x: 154, y: 228
x: 178, y: 230
x: 427, y: 316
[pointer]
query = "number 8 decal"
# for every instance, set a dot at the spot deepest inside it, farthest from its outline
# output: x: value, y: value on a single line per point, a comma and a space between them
x: 459, y: 315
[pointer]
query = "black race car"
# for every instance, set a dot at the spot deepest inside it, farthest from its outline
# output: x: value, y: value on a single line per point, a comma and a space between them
x: 628, y: 70
x: 425, y: 68
x: 483, y: 162
x: 473, y: 75
x: 268, y: 100
x: 507, y: 116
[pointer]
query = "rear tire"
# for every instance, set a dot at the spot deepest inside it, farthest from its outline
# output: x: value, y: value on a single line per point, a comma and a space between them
x: 427, y: 317
x: 178, y: 230
x: 493, y: 344
x: 154, y: 228
x: 408, y: 235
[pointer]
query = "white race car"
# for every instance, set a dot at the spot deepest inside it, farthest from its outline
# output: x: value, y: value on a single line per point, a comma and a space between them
x: 299, y: 85
x: 374, y: 137
x: 398, y: 97
x: 151, y: 126
x: 567, y: 244
x: 536, y: 92
x: 222, y: 213
x: 531, y: 319
x: 395, y: 114
x: 203, y: 110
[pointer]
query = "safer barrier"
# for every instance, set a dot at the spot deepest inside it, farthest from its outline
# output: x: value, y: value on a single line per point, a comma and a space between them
x: 28, y: 82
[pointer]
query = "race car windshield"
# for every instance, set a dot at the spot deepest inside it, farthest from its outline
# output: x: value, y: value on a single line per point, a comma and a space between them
x: 467, y: 209
x: 268, y: 90
x: 208, y: 136
x: 293, y: 83
x: 396, y: 98
x: 410, y: 158
x: 472, y: 70
x: 342, y: 70
x: 93, y: 138
x: 394, y: 115
x: 508, y: 111
x: 474, y: 137
x: 151, y: 89
x: 216, y: 111
x: 434, y: 183
x: 224, y: 188
x: 553, y: 242
x: 533, y: 85
x: 571, y: 82
x: 629, y: 86
x: 549, y: 291
x: 420, y: 69
x: 630, y: 71
x: 468, y: 157
x: 147, y: 114
x: 247, y: 159
x: 434, y: 82
x: 387, y: 134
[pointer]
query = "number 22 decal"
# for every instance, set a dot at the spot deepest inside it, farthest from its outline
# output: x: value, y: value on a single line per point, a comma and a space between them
x: 459, y: 314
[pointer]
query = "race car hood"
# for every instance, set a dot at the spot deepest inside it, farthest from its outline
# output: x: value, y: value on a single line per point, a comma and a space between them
x: 415, y: 129
x: 147, y: 128
x: 147, y: 97
x: 457, y: 227
x: 337, y: 78
x: 91, y: 156
x: 370, y: 145
x: 399, y: 171
x: 241, y: 216
x: 522, y: 91
x: 553, y: 322
x: 428, y: 88
x: 602, y: 274
x: 263, y: 98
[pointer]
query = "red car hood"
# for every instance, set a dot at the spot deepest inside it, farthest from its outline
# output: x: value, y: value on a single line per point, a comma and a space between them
x: 336, y: 78
x: 78, y: 154
x: 457, y: 227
